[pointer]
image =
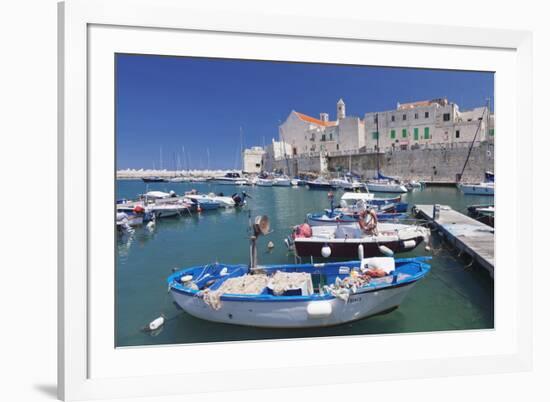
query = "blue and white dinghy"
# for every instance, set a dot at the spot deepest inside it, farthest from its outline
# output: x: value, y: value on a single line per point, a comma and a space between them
x: 295, y: 295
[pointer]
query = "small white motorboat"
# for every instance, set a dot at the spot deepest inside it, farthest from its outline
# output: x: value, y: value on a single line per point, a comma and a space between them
x: 477, y: 189
x: 233, y: 178
x: 385, y: 186
x: 281, y: 181
x: 224, y: 201
x: 264, y: 182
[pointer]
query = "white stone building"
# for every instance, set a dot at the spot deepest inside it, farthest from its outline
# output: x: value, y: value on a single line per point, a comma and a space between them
x: 411, y: 125
x: 253, y: 160
x: 424, y: 124
x: 307, y: 134
x: 275, y: 151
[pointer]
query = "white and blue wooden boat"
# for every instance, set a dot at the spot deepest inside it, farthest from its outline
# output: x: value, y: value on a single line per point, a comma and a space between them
x: 343, y: 241
x: 298, y: 295
x: 339, y: 218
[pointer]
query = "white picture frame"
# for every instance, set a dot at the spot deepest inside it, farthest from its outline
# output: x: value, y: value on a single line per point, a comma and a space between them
x: 83, y: 341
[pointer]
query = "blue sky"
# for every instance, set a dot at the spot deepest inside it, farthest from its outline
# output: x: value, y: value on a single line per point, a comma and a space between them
x: 201, y: 104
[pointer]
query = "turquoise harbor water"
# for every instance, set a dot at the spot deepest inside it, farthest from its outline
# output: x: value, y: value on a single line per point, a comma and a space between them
x: 451, y: 297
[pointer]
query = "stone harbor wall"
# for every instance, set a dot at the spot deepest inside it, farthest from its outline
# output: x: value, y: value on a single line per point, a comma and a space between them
x: 433, y: 164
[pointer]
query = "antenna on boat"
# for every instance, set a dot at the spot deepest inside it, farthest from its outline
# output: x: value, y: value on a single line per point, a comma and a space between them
x: 259, y: 227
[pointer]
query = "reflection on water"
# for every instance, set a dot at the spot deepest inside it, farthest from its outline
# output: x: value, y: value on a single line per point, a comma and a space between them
x: 453, y: 296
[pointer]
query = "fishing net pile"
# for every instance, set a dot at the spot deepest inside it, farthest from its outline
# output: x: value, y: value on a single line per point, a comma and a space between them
x: 282, y: 282
x: 343, y: 288
x: 242, y: 285
x: 278, y: 283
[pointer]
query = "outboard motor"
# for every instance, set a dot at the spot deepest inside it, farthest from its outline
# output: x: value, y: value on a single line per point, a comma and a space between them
x: 240, y: 200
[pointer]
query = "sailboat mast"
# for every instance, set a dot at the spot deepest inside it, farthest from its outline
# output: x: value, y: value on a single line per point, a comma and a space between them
x: 377, y: 147
x: 471, y: 146
x: 242, y: 156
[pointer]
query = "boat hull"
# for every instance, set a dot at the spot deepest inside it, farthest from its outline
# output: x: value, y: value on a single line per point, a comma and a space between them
x: 476, y: 189
x: 281, y: 183
x: 348, y: 248
x: 294, y: 314
x: 386, y: 188
x: 319, y: 186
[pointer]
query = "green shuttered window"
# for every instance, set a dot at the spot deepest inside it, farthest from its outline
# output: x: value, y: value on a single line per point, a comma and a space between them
x: 426, y: 133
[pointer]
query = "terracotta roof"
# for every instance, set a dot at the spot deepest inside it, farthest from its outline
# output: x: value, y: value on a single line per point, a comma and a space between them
x: 313, y: 120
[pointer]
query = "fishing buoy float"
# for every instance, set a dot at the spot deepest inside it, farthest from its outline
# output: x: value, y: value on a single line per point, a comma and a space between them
x: 360, y: 252
x: 186, y: 278
x: 151, y: 225
x: 386, y: 251
x: 326, y: 251
x: 319, y: 309
x: 427, y: 248
x: 270, y: 245
x: 409, y: 244
x: 156, y: 323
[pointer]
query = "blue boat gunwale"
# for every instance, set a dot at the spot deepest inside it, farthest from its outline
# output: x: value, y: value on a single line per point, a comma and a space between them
x: 423, y: 270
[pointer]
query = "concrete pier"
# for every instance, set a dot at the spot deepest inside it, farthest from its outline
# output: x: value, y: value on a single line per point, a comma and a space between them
x: 465, y: 233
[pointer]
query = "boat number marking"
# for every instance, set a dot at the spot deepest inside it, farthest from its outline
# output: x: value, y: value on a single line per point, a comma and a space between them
x: 354, y: 299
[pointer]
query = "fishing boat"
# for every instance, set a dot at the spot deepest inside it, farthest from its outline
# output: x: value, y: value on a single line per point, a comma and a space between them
x: 342, y: 241
x: 339, y: 218
x: 153, y: 179
x: 319, y: 184
x: 284, y: 296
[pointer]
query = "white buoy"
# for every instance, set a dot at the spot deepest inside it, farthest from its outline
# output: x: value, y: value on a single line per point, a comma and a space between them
x: 427, y: 248
x: 319, y: 309
x: 270, y: 245
x: 326, y: 251
x: 186, y: 278
x: 151, y: 225
x: 409, y: 243
x: 360, y: 252
x: 156, y: 323
x: 386, y: 251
